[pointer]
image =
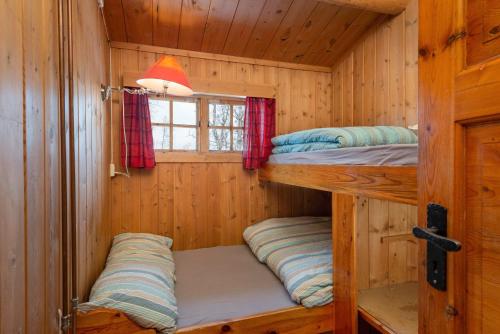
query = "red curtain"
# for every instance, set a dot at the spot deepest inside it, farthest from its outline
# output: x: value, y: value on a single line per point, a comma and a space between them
x: 259, y: 129
x: 137, y: 136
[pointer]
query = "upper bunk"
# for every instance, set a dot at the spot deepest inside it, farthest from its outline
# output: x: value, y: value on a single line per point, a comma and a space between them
x: 377, y: 162
x: 394, y: 183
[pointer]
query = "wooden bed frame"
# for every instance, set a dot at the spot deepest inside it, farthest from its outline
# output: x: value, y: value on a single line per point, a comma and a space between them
x: 294, y: 320
x: 345, y: 182
x: 394, y: 183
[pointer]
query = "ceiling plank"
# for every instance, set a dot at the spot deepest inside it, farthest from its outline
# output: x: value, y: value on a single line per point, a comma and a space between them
x: 315, y: 24
x: 244, y: 21
x: 220, y: 17
x: 362, y: 23
x: 115, y: 20
x: 329, y: 36
x: 290, y: 26
x: 138, y: 20
x: 193, y: 20
x: 219, y: 57
x: 166, y: 22
x: 392, y: 7
x: 273, y: 13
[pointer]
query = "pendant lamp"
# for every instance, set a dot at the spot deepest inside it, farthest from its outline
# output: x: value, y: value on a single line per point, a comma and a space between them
x: 166, y: 76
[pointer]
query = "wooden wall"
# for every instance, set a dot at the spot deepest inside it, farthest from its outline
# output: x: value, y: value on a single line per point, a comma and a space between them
x: 209, y: 204
x: 92, y: 143
x: 375, y: 83
x: 30, y: 139
x: 30, y: 235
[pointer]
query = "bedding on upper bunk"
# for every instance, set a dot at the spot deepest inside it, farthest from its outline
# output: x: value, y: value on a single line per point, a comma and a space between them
x: 333, y: 138
x: 382, y: 155
x: 138, y: 280
x: 299, y: 251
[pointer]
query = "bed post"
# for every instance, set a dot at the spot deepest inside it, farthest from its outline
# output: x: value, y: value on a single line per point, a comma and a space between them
x: 344, y: 262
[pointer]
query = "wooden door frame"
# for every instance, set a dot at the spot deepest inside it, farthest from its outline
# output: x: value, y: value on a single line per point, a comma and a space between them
x: 441, y: 58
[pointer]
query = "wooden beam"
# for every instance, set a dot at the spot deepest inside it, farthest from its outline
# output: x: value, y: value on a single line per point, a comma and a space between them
x: 216, y: 87
x: 393, y: 183
x: 344, y: 263
x: 392, y: 7
x: 212, y: 56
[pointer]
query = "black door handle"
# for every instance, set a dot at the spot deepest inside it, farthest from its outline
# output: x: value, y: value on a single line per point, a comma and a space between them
x: 430, y: 234
x: 438, y: 245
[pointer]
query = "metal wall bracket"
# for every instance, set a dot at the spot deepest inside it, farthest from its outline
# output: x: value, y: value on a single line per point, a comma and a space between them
x: 438, y: 245
x: 64, y: 321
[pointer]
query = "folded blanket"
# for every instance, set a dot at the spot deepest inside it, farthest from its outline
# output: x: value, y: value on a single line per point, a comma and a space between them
x: 139, y: 281
x: 306, y: 147
x: 344, y: 137
x: 299, y: 251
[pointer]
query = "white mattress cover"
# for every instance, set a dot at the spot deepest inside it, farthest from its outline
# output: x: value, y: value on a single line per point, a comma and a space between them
x: 392, y: 155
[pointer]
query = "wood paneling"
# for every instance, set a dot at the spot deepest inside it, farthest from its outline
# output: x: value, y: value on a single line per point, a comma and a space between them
x: 375, y: 83
x: 92, y: 144
x: 30, y: 132
x: 285, y: 30
x: 203, y: 203
x: 30, y: 236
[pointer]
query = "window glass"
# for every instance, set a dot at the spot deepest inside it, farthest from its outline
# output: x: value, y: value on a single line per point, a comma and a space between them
x: 238, y: 115
x: 219, y: 140
x: 184, y: 138
x: 238, y: 140
x: 219, y: 114
x: 161, y: 137
x: 185, y: 113
x: 159, y: 110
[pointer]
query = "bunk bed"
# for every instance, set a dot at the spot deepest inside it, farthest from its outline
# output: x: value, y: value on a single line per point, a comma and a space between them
x: 375, y: 172
x: 217, y: 290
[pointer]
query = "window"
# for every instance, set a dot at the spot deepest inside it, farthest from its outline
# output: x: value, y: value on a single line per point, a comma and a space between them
x: 225, y: 123
x: 197, y: 124
x: 175, y: 123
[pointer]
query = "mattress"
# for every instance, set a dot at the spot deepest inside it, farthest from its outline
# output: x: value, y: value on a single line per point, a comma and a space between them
x: 400, y: 154
x: 224, y: 283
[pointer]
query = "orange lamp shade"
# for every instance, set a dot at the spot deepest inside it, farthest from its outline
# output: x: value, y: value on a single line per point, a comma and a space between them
x: 166, y: 76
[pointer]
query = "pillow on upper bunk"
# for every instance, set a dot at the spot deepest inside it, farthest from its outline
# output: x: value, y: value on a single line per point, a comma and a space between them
x: 331, y: 138
x: 139, y: 281
x: 299, y: 251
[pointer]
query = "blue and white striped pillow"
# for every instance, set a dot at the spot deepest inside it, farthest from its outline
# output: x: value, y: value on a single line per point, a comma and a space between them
x: 299, y: 251
x: 139, y: 281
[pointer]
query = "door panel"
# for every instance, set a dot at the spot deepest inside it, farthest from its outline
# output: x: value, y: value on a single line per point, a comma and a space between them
x: 483, y: 30
x: 482, y: 228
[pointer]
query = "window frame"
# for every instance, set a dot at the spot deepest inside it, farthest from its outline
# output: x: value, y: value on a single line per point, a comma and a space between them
x: 171, y: 125
x: 202, y: 152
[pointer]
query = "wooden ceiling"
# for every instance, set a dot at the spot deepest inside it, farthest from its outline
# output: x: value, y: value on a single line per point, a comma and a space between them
x: 299, y: 31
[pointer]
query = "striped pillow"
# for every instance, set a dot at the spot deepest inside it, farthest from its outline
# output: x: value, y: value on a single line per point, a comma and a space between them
x: 139, y: 281
x: 299, y: 251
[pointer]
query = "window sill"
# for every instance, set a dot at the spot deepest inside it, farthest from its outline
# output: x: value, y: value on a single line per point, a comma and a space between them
x: 198, y: 157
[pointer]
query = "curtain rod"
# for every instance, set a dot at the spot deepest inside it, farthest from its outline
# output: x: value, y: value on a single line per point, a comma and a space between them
x: 107, y: 90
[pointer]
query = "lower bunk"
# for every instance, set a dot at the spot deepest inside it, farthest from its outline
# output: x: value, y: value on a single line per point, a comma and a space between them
x: 226, y: 289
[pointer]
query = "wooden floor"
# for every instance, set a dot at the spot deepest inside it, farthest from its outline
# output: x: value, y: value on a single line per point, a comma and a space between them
x: 391, y: 309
